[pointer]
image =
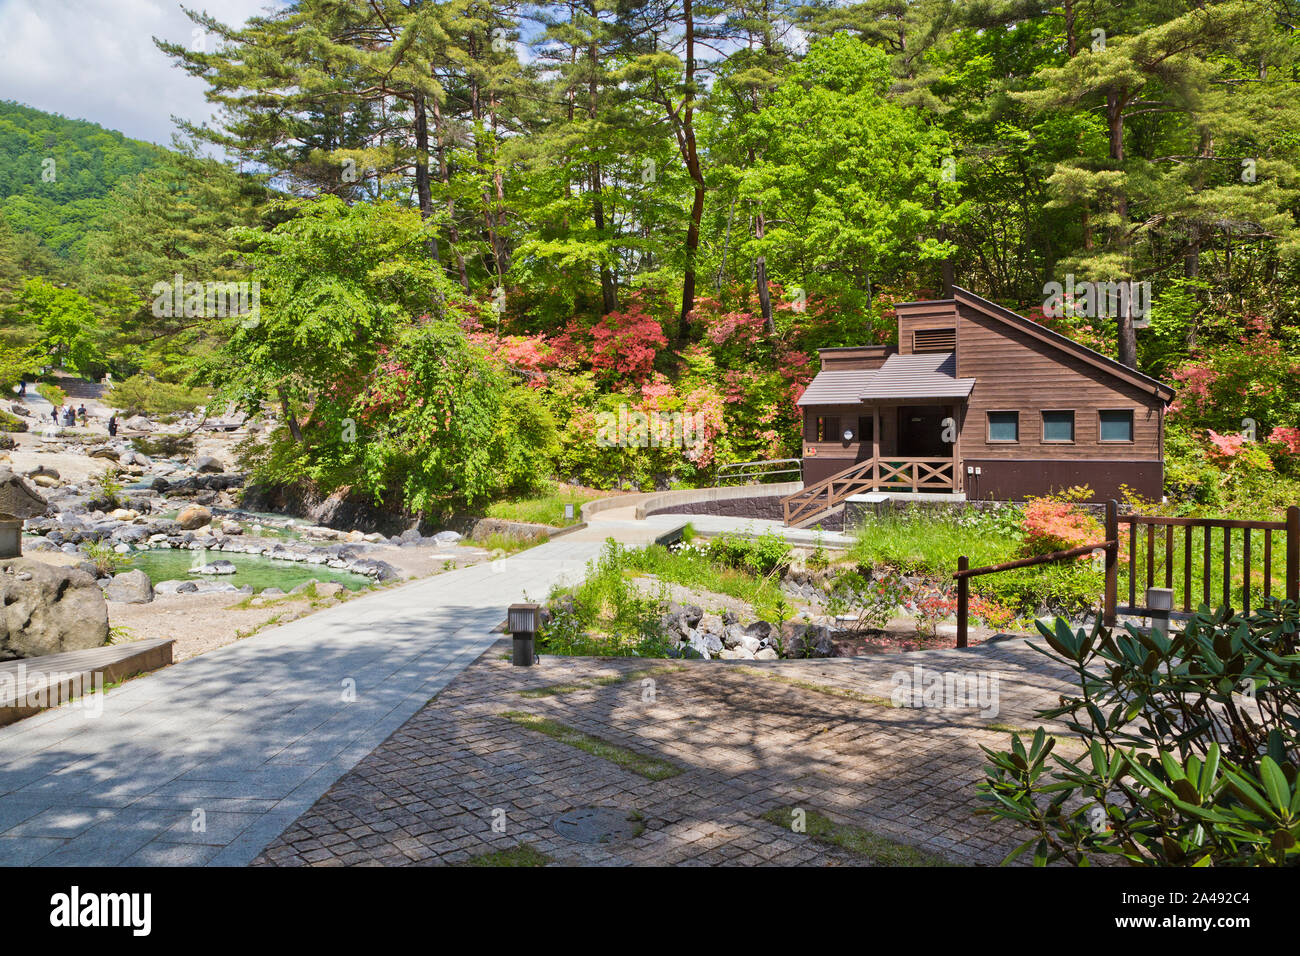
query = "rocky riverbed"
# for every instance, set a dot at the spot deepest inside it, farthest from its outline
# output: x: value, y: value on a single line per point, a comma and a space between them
x: 111, y: 507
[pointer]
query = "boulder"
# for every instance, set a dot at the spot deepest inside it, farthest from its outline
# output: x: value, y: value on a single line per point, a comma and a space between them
x: 18, y: 499
x: 709, y: 622
x: 46, y: 609
x: 692, y: 614
x: 330, y: 589
x: 760, y: 629
x: 130, y: 587
x: 192, y: 517
x: 104, y: 451
x: 46, y: 481
x: 298, y: 589
x: 765, y: 654
x: 207, y: 465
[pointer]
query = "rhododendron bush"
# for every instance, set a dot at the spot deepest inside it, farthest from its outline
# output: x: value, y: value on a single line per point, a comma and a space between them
x: 1058, y: 523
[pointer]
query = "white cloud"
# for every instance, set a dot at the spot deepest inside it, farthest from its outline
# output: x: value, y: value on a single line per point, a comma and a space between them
x: 96, y: 60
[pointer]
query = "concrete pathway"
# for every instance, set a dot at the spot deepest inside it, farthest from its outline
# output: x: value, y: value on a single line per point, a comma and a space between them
x: 209, y: 760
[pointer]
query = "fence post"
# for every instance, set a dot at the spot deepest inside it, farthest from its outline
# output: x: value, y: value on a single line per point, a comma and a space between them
x: 1293, y: 553
x: 1112, y: 563
x: 963, y: 600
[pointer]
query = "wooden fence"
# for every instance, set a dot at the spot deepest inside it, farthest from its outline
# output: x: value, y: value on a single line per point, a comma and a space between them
x: 1145, y: 542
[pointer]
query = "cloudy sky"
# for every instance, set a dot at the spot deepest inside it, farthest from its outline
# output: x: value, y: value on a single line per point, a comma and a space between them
x: 95, y: 60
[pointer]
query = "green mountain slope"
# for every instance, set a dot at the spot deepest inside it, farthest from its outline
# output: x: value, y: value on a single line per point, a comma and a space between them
x: 55, y: 173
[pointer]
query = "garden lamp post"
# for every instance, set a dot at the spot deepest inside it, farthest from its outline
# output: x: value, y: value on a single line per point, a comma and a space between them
x: 1160, y: 601
x: 521, y: 622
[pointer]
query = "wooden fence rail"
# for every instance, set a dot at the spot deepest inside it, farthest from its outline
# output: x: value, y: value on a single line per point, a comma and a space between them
x: 1141, y: 530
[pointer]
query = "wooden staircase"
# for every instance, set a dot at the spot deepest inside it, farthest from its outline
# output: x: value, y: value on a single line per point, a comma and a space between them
x: 827, y: 496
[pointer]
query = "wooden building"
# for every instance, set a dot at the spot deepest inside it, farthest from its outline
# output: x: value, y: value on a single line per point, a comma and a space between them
x: 979, y: 401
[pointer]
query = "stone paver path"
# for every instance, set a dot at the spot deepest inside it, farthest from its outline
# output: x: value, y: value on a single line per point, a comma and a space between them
x: 747, y: 743
x: 208, y: 760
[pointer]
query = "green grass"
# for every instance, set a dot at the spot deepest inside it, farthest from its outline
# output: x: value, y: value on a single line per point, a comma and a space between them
x: 699, y: 573
x: 545, y: 509
x: 523, y: 855
x: 816, y: 688
x: 652, y: 768
x: 856, y: 840
x: 509, y: 543
x: 917, y: 543
x: 553, y: 690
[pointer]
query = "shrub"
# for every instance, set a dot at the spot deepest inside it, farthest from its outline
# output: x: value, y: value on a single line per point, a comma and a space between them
x: 874, y: 601
x: 606, y: 614
x: 142, y: 395
x: 1191, y: 747
x: 766, y: 555
x: 1055, y: 523
x: 164, y: 445
x: 104, y: 558
x: 52, y: 394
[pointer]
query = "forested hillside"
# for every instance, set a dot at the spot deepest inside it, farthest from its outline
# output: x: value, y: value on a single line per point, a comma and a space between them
x: 596, y: 207
x: 55, y: 173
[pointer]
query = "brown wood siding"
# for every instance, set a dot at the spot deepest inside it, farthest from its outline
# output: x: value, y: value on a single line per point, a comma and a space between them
x: 924, y: 315
x: 867, y: 357
x: 1015, y: 372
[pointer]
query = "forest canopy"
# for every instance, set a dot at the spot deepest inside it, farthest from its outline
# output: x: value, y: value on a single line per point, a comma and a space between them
x: 669, y: 206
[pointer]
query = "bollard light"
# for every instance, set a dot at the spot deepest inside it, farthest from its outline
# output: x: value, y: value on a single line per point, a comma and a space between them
x: 521, y: 622
x: 1160, y: 601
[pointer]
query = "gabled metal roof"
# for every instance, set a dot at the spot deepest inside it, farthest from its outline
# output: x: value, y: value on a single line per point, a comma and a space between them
x: 928, y: 375
x: 840, y: 387
x: 901, y: 377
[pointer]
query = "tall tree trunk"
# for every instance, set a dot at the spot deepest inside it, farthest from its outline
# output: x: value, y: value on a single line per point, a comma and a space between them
x: 290, y: 419
x: 424, y: 196
x: 760, y: 278
x: 444, y: 176
x: 692, y: 159
x: 1115, y: 100
x: 608, y: 282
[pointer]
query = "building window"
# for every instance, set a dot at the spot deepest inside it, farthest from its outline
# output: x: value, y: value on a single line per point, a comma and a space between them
x: 1004, y: 426
x: 866, y: 428
x: 1058, y: 426
x: 828, y: 428
x: 1116, y: 425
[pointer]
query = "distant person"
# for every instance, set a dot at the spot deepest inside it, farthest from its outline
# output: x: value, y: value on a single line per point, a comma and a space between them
x: 69, y: 416
x: 81, y: 413
x: 22, y: 389
x: 54, y: 414
x: 112, y: 426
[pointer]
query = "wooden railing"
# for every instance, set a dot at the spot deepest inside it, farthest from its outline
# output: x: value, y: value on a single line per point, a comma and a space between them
x: 1147, y: 542
x: 965, y: 572
x: 1207, y: 528
x: 873, y: 474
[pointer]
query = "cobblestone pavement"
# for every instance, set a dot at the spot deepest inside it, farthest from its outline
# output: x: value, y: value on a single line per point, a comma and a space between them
x: 749, y: 738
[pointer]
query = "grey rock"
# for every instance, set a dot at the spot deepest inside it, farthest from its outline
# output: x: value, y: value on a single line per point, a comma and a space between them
x: 130, y: 587
x: 46, y: 609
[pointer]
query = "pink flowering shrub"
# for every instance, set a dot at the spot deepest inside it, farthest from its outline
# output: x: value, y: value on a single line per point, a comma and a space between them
x: 1057, y: 523
x: 625, y: 344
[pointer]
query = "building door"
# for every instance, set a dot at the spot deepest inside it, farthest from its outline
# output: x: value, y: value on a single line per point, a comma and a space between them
x: 920, y: 431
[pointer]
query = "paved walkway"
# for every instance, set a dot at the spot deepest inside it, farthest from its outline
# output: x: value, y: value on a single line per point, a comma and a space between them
x: 462, y: 779
x: 209, y: 760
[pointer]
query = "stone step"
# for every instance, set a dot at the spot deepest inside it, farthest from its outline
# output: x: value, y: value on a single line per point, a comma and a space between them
x: 31, y: 685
